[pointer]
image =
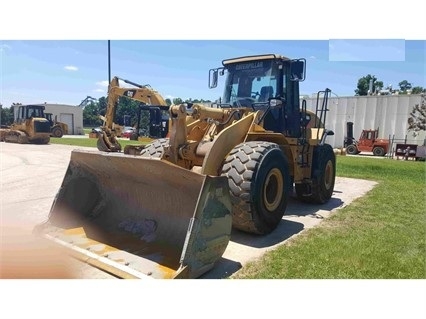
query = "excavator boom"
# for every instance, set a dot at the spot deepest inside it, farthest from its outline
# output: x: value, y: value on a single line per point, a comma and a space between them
x: 107, y: 140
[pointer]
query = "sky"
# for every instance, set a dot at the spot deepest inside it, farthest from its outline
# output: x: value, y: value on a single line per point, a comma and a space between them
x: 66, y: 71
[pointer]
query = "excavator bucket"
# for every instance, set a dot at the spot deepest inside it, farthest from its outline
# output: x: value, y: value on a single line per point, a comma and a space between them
x: 136, y: 217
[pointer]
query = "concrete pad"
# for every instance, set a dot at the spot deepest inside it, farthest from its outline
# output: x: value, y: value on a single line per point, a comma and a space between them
x: 30, y: 176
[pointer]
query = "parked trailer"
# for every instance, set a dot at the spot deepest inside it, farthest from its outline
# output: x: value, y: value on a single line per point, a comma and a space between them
x: 410, y: 151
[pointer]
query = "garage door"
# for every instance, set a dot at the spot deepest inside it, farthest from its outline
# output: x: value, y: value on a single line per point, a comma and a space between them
x: 68, y: 119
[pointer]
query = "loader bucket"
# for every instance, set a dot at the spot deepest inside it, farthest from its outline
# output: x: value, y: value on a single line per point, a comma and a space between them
x: 136, y: 217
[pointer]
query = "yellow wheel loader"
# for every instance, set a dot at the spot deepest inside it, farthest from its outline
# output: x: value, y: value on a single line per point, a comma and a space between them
x: 30, y: 126
x: 167, y: 210
x: 57, y: 129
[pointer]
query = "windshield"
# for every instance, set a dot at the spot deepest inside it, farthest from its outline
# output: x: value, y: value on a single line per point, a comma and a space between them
x: 31, y: 111
x: 250, y: 82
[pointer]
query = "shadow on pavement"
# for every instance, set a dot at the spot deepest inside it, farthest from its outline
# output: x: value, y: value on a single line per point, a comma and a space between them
x: 223, y: 269
x: 284, y: 230
x: 297, y: 208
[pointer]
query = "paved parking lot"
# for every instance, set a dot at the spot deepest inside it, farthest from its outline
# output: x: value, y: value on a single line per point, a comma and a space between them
x: 30, y: 176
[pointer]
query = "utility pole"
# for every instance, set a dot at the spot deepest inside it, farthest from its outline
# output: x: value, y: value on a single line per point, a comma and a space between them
x: 109, y: 62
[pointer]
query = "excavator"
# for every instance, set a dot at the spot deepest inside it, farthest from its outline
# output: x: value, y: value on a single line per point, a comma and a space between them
x: 107, y: 140
x: 29, y: 126
x: 167, y: 210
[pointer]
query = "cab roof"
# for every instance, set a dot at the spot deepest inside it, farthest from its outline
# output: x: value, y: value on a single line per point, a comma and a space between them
x: 255, y: 58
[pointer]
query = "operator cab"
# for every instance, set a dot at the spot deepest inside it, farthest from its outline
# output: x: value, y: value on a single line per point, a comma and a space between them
x: 264, y: 82
x: 26, y: 112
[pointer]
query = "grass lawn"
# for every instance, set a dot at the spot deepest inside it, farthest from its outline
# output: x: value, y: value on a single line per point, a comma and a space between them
x: 379, y: 236
x: 88, y: 142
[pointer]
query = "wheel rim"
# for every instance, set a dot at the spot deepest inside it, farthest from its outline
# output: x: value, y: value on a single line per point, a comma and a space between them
x: 273, y: 189
x: 328, y: 176
x: 350, y: 149
x: 378, y: 151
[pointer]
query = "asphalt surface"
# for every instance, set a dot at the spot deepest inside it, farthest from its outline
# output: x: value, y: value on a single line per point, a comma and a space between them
x: 30, y: 176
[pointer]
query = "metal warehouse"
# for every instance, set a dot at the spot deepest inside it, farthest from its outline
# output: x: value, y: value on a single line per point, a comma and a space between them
x: 388, y: 113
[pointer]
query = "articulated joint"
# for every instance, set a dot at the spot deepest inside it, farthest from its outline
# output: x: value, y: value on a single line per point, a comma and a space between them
x: 177, y: 111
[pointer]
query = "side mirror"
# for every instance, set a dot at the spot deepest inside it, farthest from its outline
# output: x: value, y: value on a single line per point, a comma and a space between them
x: 213, y: 76
x: 275, y: 103
x: 297, y: 70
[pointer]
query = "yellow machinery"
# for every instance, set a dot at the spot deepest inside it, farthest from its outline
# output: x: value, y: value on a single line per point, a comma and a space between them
x: 107, y: 141
x: 166, y: 210
x: 117, y: 128
x: 30, y: 126
x: 57, y: 129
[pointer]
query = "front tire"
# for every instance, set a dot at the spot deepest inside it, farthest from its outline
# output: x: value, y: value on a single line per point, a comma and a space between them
x: 156, y: 148
x: 351, y: 150
x: 57, y: 132
x: 259, y: 181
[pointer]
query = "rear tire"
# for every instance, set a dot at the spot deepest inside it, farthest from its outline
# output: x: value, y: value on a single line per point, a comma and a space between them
x: 323, y: 177
x: 351, y: 150
x: 378, y: 151
x: 259, y: 182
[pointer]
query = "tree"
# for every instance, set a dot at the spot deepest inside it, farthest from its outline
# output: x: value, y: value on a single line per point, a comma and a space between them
x: 418, y: 90
x: 404, y: 86
x: 364, y: 85
x: 417, y: 120
x: 168, y: 102
x: 6, y: 115
x: 102, y: 104
x: 91, y: 114
x: 379, y: 86
x: 177, y: 101
x: 126, y: 106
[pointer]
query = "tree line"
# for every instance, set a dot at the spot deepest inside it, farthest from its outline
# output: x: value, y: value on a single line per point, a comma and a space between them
x: 377, y: 87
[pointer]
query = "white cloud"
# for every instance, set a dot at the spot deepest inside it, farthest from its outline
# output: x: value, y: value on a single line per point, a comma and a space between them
x: 99, y: 90
x: 71, y: 68
x: 313, y: 57
x: 102, y: 83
